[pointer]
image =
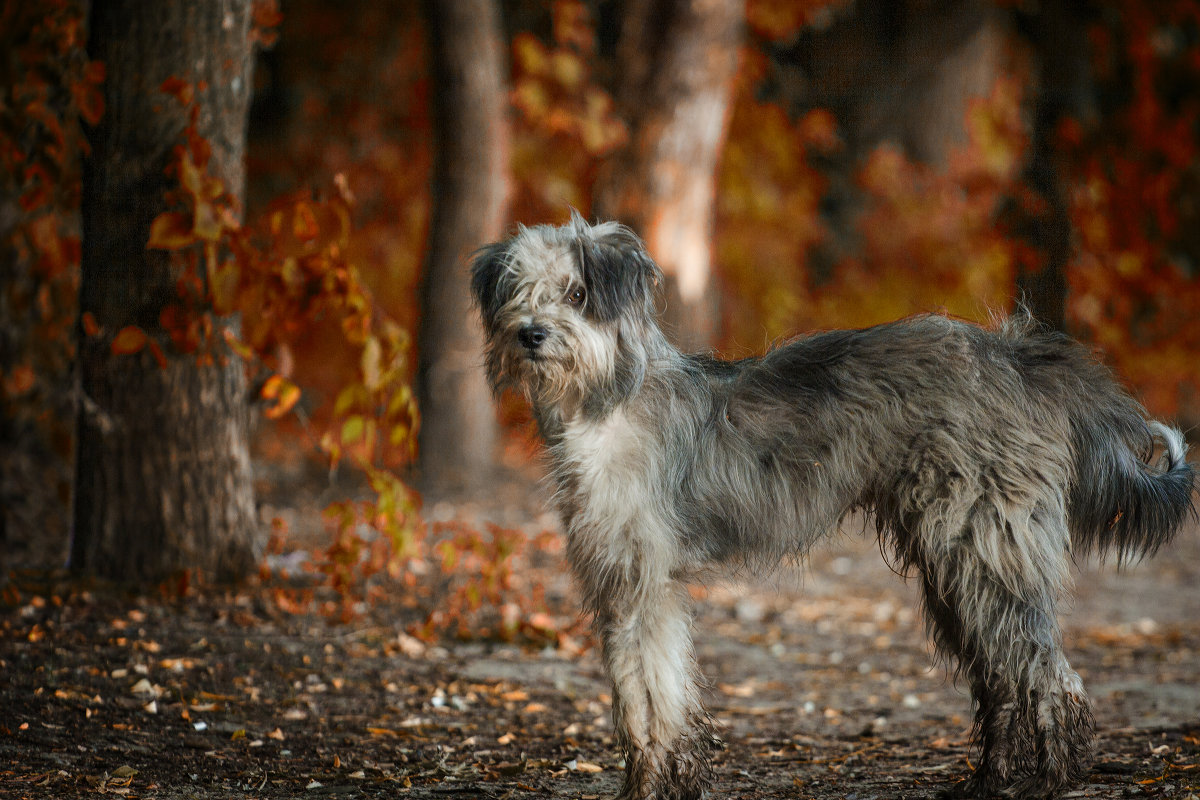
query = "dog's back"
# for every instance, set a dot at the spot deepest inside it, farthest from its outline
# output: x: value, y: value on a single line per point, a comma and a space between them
x: 1040, y: 400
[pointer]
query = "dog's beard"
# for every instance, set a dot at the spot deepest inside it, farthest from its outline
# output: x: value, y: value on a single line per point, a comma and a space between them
x: 571, y: 366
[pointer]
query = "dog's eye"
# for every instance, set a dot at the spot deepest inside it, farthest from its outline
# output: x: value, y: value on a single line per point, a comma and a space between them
x: 575, y: 296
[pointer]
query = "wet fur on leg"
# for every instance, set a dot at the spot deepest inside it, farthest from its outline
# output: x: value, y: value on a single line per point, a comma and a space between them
x: 988, y: 458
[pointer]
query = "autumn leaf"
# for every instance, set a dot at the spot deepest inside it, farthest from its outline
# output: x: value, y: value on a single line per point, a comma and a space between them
x: 288, y: 395
x: 90, y: 326
x: 86, y: 93
x: 352, y: 429
x: 243, y: 350
x: 130, y: 339
x: 208, y: 220
x: 170, y: 230
x: 178, y: 88
x: 19, y: 381
x: 265, y: 18
x: 272, y: 386
x: 160, y: 358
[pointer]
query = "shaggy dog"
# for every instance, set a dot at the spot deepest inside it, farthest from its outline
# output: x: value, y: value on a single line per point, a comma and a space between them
x: 988, y: 459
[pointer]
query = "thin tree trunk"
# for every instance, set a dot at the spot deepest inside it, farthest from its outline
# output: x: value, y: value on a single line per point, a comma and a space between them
x: 163, y: 469
x: 677, y: 62
x: 1058, y: 33
x: 470, y: 198
x: 1042, y: 288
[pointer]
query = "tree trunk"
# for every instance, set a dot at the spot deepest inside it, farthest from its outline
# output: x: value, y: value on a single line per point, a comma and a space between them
x: 1063, y: 87
x: 470, y: 198
x: 163, y: 480
x: 677, y: 60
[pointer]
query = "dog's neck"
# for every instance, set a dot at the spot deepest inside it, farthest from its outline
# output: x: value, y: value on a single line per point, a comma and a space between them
x: 640, y: 354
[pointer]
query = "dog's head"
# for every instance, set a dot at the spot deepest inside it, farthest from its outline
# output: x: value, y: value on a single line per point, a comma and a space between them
x: 557, y: 303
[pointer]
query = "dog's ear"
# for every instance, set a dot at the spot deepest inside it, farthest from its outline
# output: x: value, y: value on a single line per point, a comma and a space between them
x: 618, y: 274
x: 488, y: 267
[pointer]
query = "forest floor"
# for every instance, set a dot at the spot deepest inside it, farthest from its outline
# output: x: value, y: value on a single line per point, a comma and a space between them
x: 822, y: 684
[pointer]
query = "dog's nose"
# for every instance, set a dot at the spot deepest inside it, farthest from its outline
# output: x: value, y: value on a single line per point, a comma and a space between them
x: 531, y: 336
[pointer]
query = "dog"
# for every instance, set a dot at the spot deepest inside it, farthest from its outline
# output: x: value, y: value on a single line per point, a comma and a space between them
x: 988, y: 458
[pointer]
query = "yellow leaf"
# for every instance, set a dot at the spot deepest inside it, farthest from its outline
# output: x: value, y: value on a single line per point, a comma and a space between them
x: 352, y: 429
x: 208, y: 220
x: 170, y: 230
x: 289, y: 395
x: 271, y: 387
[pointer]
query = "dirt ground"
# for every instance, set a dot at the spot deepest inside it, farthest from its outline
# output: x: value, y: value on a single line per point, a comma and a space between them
x: 821, y: 680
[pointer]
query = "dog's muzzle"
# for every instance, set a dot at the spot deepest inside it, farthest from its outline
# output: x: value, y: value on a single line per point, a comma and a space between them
x: 531, y: 337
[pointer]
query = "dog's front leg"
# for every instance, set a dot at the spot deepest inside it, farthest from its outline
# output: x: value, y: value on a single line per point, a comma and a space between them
x: 659, y: 715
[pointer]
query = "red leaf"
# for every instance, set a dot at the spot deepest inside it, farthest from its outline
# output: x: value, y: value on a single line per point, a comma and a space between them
x: 130, y: 339
x: 178, y: 88
x: 90, y: 326
x: 157, y: 352
x: 88, y: 97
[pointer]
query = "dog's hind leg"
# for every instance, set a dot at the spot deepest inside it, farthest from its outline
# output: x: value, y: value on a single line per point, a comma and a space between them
x: 993, y: 608
x: 661, y: 723
x: 993, y: 696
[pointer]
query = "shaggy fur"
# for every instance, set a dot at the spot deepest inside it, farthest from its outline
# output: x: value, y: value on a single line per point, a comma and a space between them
x: 987, y: 457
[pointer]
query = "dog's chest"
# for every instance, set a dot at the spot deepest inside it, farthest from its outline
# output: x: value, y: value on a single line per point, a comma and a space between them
x: 608, y: 499
x: 602, y: 460
x: 605, y: 474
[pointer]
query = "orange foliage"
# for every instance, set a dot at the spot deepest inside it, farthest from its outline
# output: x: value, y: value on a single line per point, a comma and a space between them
x: 47, y: 87
x: 356, y: 106
x: 930, y: 238
x: 565, y: 122
x: 1133, y: 202
x: 279, y: 277
x: 927, y: 239
x: 776, y: 20
x: 768, y: 209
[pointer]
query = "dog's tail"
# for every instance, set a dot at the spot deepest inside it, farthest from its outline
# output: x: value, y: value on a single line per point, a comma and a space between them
x: 1118, y: 502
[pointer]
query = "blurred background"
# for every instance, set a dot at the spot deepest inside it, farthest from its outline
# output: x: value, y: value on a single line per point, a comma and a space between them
x: 791, y: 165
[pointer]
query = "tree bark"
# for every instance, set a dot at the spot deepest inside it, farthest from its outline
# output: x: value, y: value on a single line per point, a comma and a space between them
x: 163, y: 480
x: 470, y: 197
x: 677, y: 60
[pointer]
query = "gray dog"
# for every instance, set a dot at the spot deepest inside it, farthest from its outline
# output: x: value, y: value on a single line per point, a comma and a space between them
x: 988, y: 458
